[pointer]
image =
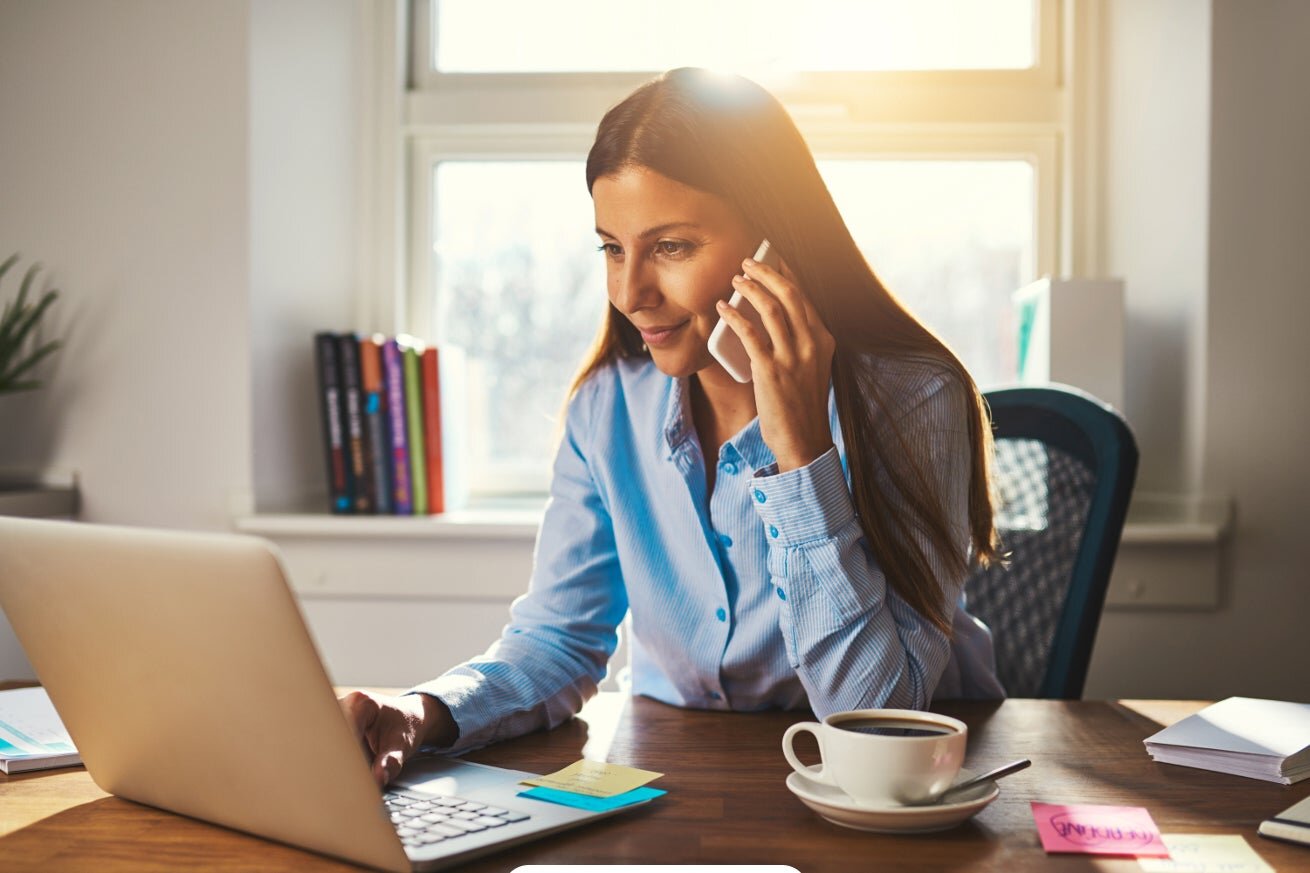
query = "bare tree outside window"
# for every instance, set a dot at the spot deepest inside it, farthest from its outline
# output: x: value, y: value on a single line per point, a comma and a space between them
x: 521, y: 289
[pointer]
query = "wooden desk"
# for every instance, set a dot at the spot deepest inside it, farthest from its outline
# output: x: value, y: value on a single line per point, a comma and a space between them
x: 726, y: 803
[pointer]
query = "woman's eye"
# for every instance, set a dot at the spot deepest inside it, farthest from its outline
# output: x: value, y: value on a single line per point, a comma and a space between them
x: 672, y: 247
x: 610, y: 250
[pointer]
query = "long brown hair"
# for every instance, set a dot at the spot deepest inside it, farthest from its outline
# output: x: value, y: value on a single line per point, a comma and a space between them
x: 729, y: 137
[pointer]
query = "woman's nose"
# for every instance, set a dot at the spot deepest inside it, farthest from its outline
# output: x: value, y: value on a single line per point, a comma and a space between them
x: 633, y: 286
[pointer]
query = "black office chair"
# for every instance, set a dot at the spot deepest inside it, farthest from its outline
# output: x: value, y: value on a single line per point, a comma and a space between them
x: 1064, y: 469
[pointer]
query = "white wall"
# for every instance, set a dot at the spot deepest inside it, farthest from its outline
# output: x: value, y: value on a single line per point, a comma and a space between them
x: 1216, y: 256
x: 1257, y: 407
x: 123, y: 168
x: 1155, y: 64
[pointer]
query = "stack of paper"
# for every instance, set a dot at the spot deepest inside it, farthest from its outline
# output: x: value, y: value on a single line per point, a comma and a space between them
x: 1262, y: 739
x: 31, y: 735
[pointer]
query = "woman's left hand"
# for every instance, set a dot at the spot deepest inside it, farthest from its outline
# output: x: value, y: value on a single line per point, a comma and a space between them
x: 791, y: 364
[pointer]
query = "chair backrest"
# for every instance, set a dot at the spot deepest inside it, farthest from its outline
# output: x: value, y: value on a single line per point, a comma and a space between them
x: 1063, y: 471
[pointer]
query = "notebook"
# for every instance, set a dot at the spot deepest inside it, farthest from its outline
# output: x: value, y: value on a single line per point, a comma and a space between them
x: 1292, y: 824
x: 31, y: 735
x: 185, y: 675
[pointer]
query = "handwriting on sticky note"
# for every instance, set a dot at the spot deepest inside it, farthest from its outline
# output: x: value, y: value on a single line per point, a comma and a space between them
x: 595, y: 778
x: 1206, y: 853
x: 1098, y: 830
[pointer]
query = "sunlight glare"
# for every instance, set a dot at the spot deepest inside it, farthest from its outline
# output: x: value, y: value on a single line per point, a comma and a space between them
x: 756, y: 38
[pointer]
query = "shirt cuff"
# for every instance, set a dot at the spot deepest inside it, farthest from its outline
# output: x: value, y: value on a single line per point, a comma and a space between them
x: 459, y: 692
x: 804, y: 505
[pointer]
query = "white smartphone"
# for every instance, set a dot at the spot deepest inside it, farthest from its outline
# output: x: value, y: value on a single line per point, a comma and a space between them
x: 724, y: 344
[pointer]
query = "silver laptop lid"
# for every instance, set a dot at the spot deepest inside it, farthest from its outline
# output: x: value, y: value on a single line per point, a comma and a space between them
x: 182, y: 668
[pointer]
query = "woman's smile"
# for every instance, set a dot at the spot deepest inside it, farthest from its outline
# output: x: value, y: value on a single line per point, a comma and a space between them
x: 658, y: 335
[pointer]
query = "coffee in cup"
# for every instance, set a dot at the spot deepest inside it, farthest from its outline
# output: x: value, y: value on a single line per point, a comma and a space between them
x: 884, y: 757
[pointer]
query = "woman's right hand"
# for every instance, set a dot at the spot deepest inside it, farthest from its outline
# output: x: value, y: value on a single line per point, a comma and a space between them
x: 391, y: 729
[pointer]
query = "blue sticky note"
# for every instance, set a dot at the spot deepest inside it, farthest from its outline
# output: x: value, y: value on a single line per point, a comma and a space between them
x: 593, y: 804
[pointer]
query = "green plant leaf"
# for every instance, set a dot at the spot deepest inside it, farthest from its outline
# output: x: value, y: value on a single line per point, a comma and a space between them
x: 28, y: 363
x: 10, y: 345
x: 28, y: 278
x: 15, y: 312
x: 17, y: 323
x: 8, y: 323
x: 10, y: 315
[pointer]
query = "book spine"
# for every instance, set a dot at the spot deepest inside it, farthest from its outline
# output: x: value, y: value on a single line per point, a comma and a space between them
x: 353, y: 416
x: 329, y: 393
x: 414, y: 416
x: 377, y: 434
x: 431, y: 378
x: 393, y: 375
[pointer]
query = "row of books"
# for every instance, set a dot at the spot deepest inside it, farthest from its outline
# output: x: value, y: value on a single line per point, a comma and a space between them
x: 380, y: 404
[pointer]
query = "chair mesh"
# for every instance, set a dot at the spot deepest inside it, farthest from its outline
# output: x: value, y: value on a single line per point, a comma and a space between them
x: 1044, y: 496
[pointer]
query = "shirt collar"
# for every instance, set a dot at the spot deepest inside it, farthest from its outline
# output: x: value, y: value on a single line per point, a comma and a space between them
x: 751, y: 447
x: 678, y: 428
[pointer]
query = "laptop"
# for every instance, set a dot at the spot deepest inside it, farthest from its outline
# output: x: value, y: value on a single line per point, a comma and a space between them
x: 183, y: 670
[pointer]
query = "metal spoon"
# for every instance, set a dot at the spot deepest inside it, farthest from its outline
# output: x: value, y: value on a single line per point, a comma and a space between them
x: 989, y: 776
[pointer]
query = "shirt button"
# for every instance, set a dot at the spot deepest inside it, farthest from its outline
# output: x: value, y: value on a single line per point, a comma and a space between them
x: 729, y: 467
x: 773, y: 532
x: 722, y: 614
x: 726, y: 540
x: 782, y: 595
x: 759, y: 496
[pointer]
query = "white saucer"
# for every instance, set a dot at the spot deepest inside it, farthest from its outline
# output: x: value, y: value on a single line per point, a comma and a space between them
x: 837, y: 807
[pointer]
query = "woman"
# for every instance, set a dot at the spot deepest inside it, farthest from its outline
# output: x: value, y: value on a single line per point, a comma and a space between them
x: 798, y: 540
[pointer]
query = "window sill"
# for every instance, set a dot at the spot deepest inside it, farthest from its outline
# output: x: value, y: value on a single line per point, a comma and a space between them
x: 1153, y: 519
x: 1169, y: 556
x: 1168, y: 519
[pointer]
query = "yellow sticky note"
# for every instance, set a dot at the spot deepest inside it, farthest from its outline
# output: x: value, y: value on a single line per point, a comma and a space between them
x: 595, y: 778
x: 1206, y: 853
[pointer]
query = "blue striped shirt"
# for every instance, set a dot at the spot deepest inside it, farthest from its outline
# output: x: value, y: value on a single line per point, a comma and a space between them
x: 761, y: 594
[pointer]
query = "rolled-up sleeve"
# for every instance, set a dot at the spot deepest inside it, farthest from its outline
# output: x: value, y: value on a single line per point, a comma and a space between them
x: 852, y: 640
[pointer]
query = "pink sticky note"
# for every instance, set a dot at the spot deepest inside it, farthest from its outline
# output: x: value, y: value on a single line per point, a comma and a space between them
x: 1098, y: 830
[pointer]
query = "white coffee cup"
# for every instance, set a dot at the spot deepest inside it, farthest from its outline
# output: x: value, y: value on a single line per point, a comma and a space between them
x: 884, y: 757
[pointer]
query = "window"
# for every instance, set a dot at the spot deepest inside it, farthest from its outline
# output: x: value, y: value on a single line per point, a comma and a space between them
x: 951, y: 239
x: 939, y: 127
x: 470, y: 36
x: 520, y: 290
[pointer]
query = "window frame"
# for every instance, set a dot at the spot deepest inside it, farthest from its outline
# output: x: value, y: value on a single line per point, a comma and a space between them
x: 475, y: 143
x: 1029, y: 114
x: 1045, y: 71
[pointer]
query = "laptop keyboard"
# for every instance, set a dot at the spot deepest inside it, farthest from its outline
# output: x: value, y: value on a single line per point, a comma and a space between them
x: 424, y: 819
